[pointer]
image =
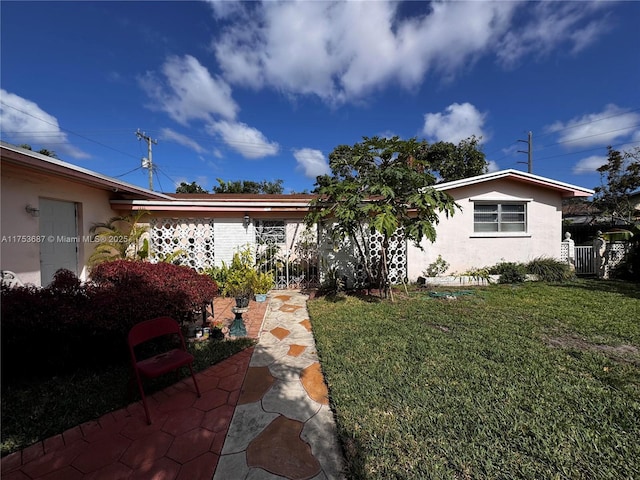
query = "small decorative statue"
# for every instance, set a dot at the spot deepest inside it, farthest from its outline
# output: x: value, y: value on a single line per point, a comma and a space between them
x: 599, y: 249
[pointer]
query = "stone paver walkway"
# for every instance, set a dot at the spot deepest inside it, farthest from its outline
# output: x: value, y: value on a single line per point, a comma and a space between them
x: 282, y: 426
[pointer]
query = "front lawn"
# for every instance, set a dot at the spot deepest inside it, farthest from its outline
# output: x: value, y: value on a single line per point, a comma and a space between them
x: 531, y: 381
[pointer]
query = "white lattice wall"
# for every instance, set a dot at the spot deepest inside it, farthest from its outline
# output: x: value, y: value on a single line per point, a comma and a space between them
x: 345, y: 257
x: 194, y: 236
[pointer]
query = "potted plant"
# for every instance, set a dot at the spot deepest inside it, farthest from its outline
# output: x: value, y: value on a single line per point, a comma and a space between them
x: 238, y: 280
x: 261, y: 283
x: 238, y: 286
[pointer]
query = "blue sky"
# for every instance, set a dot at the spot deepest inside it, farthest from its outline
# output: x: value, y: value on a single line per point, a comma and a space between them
x: 265, y: 91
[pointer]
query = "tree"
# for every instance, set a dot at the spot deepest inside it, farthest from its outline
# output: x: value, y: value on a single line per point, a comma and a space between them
x: 192, y: 187
x: 379, y: 184
x: 248, y: 186
x: 619, y: 178
x: 42, y: 151
x: 119, y: 238
x: 453, y: 162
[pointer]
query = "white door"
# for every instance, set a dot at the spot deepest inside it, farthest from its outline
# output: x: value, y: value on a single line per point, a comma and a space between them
x: 59, y: 227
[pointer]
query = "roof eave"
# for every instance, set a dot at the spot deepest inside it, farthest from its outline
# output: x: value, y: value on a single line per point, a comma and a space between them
x: 568, y: 190
x: 42, y: 163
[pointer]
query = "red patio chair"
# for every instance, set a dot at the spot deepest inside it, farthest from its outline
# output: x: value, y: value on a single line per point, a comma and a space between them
x: 161, y: 363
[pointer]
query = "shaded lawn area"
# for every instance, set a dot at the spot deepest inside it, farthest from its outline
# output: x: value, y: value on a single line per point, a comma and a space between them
x: 531, y: 381
x: 41, y: 408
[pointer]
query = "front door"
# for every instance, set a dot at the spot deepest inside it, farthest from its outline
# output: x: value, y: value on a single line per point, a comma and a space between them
x: 59, y: 227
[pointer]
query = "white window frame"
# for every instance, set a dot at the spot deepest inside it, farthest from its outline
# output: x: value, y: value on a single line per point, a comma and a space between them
x: 499, y: 203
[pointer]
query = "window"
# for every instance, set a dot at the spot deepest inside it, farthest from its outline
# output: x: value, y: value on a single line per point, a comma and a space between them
x: 270, y: 232
x: 499, y: 217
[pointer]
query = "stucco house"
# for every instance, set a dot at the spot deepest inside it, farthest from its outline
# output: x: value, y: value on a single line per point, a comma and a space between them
x: 48, y: 207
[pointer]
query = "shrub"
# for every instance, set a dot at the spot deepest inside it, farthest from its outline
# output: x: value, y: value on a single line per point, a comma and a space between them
x: 510, y: 272
x: 45, y: 330
x: 549, y: 269
x: 629, y: 267
x: 477, y: 274
x: 68, y: 324
x: 195, y: 288
x: 436, y: 268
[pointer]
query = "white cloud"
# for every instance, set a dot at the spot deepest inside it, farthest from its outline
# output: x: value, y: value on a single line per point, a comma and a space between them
x: 23, y: 121
x: 601, y: 128
x: 342, y: 51
x: 187, y: 91
x: 332, y: 50
x: 458, y: 122
x: 492, y: 166
x: 171, y: 135
x: 549, y: 26
x: 589, y: 164
x: 248, y: 141
x: 312, y: 162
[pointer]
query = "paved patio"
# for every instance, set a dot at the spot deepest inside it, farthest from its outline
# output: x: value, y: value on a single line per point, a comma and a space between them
x: 263, y: 414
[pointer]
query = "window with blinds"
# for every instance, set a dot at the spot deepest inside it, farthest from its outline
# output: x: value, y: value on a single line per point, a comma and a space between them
x: 499, y: 217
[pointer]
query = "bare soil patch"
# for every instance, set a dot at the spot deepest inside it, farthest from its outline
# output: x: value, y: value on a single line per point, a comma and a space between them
x: 622, y: 353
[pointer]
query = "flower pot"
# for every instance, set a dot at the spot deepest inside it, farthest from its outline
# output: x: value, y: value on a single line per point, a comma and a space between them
x: 261, y: 297
x: 242, y: 302
x: 216, y: 334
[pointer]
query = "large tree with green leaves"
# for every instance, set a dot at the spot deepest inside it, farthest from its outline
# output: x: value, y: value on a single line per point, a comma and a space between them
x: 453, y: 162
x: 192, y: 187
x: 384, y: 184
x: 620, y: 177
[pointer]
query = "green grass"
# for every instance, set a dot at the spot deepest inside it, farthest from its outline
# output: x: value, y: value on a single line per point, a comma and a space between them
x: 530, y: 381
x: 39, y: 409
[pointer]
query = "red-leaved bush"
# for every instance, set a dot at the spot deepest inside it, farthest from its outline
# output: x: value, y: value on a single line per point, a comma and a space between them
x: 129, y: 291
x: 68, y: 325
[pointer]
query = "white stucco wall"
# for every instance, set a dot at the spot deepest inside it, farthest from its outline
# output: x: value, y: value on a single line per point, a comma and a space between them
x: 20, y: 188
x: 230, y: 236
x: 463, y: 249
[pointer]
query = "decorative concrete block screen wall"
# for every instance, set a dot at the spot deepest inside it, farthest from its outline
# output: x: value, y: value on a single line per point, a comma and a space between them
x: 344, y: 258
x: 285, y: 248
x: 193, y: 236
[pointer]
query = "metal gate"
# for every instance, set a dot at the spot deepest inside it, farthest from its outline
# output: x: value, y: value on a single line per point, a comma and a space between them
x: 584, y: 260
x: 289, y: 252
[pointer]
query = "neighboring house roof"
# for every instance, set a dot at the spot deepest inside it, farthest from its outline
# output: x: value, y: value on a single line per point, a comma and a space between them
x: 579, y: 209
x: 222, y: 202
x: 566, y: 189
x: 251, y: 203
x: 36, y: 162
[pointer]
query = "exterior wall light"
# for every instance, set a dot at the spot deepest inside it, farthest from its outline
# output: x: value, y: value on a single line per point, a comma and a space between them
x: 33, y: 211
x: 246, y: 220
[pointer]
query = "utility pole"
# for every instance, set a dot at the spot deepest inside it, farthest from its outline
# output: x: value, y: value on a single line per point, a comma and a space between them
x: 529, y: 152
x: 147, y: 162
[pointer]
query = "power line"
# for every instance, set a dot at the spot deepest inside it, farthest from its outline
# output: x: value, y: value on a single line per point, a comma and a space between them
x: 588, y: 150
x: 65, y: 129
x: 589, y: 136
x: 127, y: 173
x: 589, y: 122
